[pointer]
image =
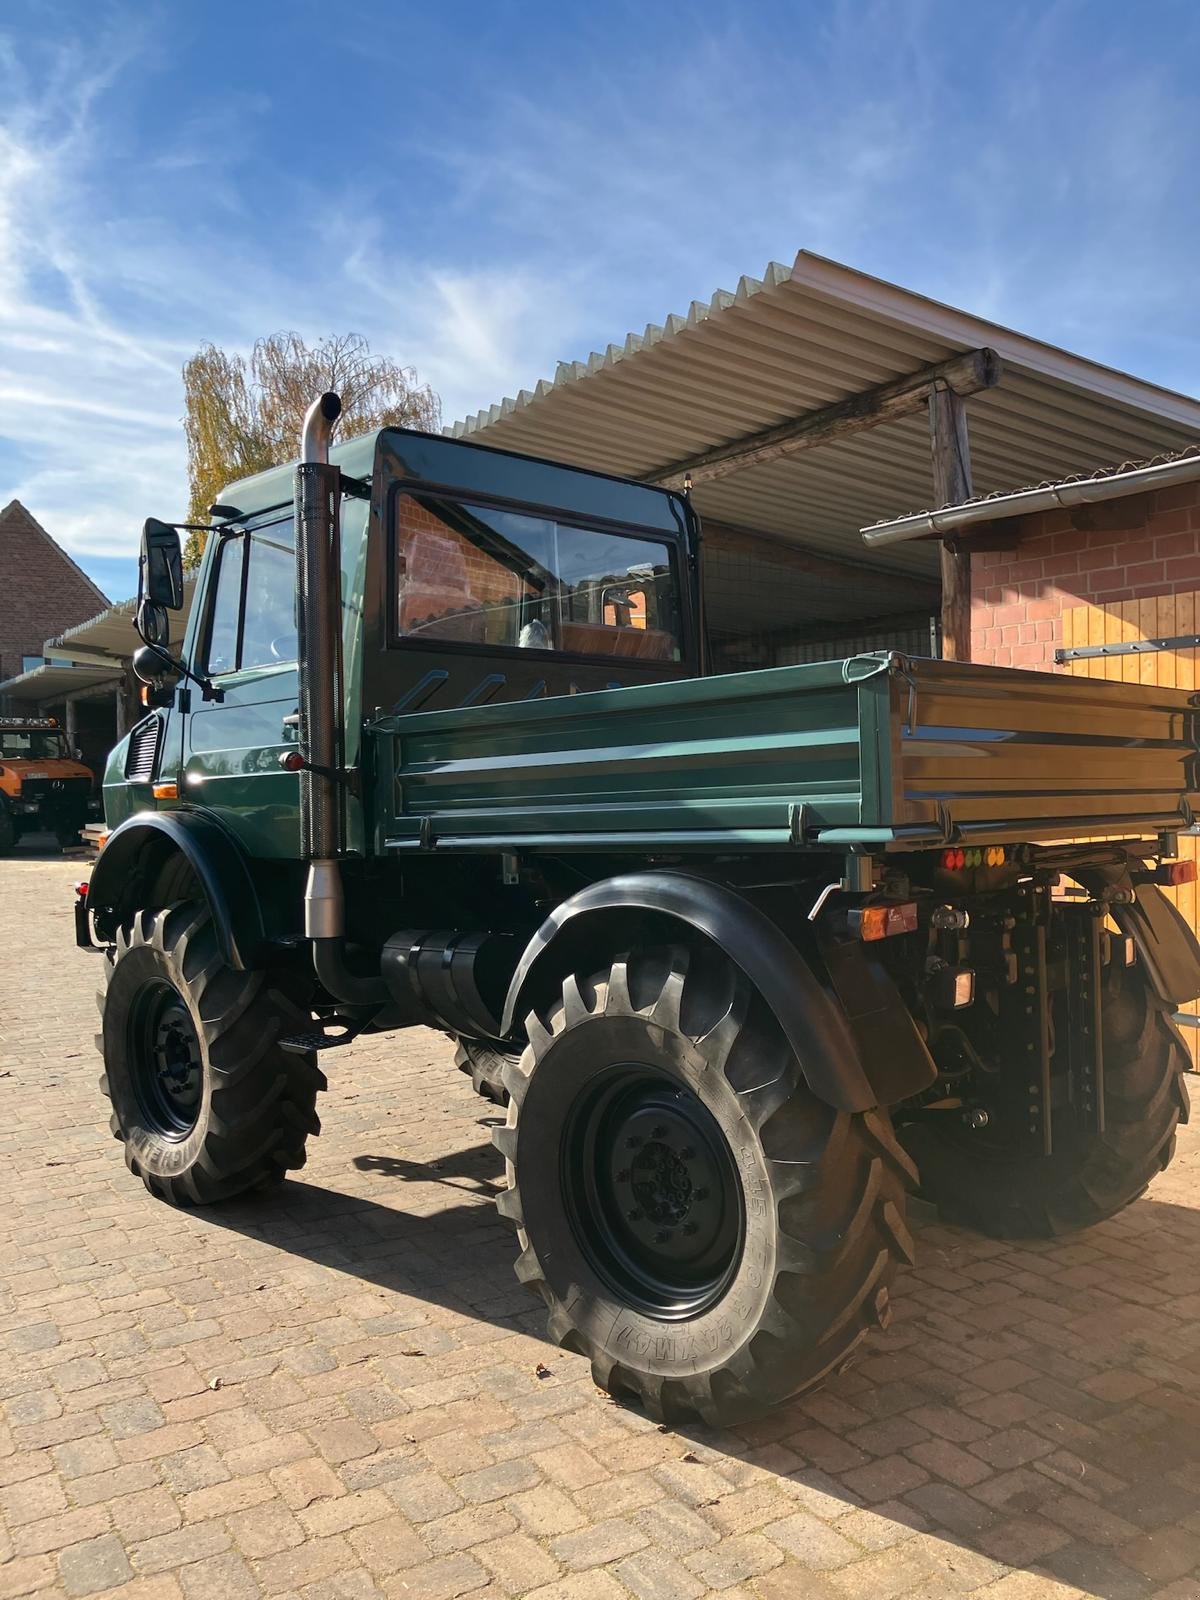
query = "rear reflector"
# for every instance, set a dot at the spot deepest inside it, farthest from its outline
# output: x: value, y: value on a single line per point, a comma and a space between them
x: 882, y: 922
x: 1173, y: 873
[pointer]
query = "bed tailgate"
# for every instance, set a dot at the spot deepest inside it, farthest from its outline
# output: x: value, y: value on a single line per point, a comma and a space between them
x: 997, y: 753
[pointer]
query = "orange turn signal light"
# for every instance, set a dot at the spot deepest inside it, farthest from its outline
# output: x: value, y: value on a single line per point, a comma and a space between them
x: 165, y: 791
x: 884, y: 922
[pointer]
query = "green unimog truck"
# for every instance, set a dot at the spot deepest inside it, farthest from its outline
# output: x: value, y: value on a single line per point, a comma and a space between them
x: 748, y: 957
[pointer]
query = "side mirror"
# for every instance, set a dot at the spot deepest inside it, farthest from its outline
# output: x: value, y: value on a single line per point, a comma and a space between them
x: 152, y: 623
x: 162, y: 564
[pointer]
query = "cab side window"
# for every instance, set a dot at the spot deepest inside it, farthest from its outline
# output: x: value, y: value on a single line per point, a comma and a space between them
x: 226, y: 607
x: 252, y: 622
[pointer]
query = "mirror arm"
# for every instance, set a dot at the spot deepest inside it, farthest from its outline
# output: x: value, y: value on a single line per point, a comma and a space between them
x: 208, y: 689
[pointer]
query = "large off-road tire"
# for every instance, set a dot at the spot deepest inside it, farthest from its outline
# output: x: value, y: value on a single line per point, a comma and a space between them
x: 710, y: 1234
x: 8, y: 830
x: 484, y: 1063
x: 975, y: 1180
x: 205, y: 1100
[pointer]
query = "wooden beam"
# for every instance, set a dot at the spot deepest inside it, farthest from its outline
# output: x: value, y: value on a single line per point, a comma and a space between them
x: 901, y: 397
x: 951, y: 450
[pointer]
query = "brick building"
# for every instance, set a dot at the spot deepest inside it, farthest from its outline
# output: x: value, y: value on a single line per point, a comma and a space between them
x: 1119, y: 556
x: 1105, y: 563
x: 42, y: 591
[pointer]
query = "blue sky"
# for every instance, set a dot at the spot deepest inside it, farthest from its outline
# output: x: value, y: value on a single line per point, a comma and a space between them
x: 484, y: 189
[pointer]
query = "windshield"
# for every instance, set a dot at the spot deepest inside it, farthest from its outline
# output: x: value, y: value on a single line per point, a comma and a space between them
x: 32, y: 744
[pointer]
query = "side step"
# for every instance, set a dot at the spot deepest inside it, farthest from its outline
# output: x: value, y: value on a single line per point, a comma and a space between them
x: 328, y: 1034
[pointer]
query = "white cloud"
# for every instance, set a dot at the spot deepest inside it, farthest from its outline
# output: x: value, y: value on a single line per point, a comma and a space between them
x: 543, y: 218
x: 100, y: 305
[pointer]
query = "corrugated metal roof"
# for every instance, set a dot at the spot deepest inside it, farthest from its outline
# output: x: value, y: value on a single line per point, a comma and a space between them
x: 50, y: 682
x: 111, y: 633
x: 798, y: 339
x: 998, y: 500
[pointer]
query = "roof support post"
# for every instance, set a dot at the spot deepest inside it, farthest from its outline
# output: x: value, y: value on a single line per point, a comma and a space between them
x: 951, y: 450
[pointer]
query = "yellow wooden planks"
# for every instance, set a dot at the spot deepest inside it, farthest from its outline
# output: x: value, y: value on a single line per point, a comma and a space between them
x: 1122, y: 622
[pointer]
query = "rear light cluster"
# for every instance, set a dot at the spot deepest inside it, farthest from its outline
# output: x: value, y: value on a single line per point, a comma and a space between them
x: 884, y: 922
x: 1173, y: 873
x: 992, y: 855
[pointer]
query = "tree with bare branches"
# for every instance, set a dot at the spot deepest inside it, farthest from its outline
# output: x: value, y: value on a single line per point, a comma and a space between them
x: 245, y: 415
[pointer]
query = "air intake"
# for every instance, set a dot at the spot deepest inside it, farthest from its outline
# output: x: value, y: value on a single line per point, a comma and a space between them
x: 141, y: 763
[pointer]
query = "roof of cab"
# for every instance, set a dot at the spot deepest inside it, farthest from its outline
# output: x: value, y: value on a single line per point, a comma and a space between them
x: 424, y: 456
x: 274, y: 486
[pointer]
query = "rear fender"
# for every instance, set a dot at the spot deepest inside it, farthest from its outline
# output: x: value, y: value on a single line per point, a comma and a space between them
x: 815, y: 1024
x: 137, y: 851
x: 1164, y: 942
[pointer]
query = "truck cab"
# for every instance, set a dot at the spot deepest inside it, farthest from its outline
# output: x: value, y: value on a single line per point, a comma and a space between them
x: 469, y: 577
x: 44, y: 787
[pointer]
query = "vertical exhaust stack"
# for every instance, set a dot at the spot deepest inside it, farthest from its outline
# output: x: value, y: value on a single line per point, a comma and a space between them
x: 322, y: 699
x: 317, y: 492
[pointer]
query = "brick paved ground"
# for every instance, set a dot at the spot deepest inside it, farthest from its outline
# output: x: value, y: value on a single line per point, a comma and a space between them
x: 382, y: 1426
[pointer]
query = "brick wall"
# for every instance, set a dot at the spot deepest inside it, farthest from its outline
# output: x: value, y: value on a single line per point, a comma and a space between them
x: 1136, y: 548
x: 42, y: 591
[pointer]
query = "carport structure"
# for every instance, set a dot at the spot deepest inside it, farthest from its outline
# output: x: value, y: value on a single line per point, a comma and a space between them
x: 811, y: 402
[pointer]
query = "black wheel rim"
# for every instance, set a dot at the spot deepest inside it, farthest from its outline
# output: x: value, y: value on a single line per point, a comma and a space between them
x: 652, y: 1192
x: 167, y: 1067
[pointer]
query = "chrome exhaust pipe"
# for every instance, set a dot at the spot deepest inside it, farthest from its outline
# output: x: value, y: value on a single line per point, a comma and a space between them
x: 317, y: 431
x: 322, y: 700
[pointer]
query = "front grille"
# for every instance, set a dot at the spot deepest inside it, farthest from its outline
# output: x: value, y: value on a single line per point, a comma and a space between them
x: 54, y: 788
x: 141, y: 762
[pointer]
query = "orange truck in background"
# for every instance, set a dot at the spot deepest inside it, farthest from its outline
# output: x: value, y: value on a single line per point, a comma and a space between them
x: 44, y: 787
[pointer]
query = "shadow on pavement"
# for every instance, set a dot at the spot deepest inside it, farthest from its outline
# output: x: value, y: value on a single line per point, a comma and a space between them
x: 1034, y: 1404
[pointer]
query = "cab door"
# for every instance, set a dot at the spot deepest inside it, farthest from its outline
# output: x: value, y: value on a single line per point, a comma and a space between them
x: 247, y: 647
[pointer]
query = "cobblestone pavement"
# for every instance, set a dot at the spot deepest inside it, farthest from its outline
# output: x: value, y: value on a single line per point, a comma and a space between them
x: 341, y: 1392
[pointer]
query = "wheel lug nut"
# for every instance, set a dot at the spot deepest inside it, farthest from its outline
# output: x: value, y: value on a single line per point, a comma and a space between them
x: 623, y: 1175
x: 687, y: 1153
x: 635, y: 1216
x: 632, y: 1142
x: 658, y: 1132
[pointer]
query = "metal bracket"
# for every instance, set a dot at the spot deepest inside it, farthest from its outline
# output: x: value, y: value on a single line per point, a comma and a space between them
x: 1133, y: 647
x: 800, y: 823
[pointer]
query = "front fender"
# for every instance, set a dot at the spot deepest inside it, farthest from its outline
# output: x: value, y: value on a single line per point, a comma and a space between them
x: 815, y: 1025
x: 144, y: 843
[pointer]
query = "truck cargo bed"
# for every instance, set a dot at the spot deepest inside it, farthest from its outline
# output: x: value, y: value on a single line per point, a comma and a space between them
x: 881, y: 750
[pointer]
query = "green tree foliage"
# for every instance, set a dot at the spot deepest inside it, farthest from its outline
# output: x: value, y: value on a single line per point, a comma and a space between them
x: 245, y: 415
